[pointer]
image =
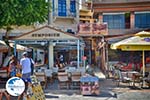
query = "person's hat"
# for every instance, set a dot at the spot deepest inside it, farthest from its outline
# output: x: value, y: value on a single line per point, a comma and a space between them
x: 24, y: 54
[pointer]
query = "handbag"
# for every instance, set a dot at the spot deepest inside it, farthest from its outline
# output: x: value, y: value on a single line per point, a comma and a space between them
x: 32, y: 67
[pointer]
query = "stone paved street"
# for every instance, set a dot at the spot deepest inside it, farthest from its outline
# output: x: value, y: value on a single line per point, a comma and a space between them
x: 108, y: 91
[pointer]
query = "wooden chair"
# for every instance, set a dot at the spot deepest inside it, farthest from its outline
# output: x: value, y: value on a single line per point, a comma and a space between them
x: 75, y: 79
x: 41, y: 77
x: 147, y: 80
x: 3, y: 74
x: 63, y: 80
x: 49, y: 75
x: 121, y: 77
x: 137, y: 78
x: 3, y: 93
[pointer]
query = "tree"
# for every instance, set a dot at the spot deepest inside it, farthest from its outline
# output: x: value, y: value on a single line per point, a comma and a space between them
x: 21, y: 12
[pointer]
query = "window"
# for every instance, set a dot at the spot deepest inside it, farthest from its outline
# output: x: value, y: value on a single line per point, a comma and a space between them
x: 61, y: 7
x: 73, y: 6
x: 115, y: 21
x: 142, y: 20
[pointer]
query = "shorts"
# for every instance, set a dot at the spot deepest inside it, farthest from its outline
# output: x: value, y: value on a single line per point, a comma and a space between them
x: 26, y: 77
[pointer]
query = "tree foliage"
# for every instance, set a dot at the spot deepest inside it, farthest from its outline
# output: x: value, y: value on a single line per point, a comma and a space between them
x: 22, y: 12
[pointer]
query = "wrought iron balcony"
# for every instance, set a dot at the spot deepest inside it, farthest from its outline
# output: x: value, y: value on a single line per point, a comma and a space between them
x: 67, y: 14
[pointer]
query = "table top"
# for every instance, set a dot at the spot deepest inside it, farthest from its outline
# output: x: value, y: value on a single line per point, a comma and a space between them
x: 89, y: 79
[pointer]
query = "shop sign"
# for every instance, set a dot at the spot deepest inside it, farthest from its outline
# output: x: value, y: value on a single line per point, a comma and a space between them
x: 93, y: 28
x: 46, y: 35
x: 84, y: 58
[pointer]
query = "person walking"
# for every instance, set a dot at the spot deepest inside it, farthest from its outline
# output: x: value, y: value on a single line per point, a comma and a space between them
x: 26, y: 67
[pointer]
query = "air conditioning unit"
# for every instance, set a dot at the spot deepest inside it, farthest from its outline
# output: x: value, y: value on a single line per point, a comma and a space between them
x: 70, y: 31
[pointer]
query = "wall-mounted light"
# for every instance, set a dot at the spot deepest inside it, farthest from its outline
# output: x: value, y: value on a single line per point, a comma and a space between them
x: 43, y: 43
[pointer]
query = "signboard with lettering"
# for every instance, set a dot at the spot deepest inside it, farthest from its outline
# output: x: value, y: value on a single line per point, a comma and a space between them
x: 94, y: 28
x: 46, y: 32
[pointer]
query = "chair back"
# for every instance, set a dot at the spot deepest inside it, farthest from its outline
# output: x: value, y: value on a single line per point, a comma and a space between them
x: 48, y: 73
x: 75, y: 76
x: 62, y: 76
x: 40, y: 76
x: 3, y: 74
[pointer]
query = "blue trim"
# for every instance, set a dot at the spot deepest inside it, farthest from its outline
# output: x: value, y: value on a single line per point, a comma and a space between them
x: 73, y: 6
x: 62, y: 8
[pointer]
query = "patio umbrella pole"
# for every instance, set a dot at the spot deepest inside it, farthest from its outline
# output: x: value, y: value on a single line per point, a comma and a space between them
x: 143, y: 67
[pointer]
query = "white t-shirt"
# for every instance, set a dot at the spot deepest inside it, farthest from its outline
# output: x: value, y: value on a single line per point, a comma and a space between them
x: 25, y: 63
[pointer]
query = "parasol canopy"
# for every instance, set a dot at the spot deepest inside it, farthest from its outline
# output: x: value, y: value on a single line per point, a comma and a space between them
x: 3, y: 46
x: 138, y: 42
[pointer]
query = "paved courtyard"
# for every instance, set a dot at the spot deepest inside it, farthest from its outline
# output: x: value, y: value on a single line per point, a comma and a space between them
x: 108, y: 91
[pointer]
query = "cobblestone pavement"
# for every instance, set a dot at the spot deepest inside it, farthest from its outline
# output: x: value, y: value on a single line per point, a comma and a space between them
x: 108, y: 91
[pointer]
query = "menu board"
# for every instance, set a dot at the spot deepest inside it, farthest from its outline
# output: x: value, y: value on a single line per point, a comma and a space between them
x: 35, y: 91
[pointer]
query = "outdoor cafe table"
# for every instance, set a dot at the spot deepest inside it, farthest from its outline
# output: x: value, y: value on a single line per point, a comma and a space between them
x: 134, y: 75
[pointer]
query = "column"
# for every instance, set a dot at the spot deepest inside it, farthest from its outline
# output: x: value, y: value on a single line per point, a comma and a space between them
x: 132, y: 20
x: 51, y: 55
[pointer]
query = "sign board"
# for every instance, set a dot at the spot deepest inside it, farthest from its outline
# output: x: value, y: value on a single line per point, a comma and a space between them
x: 35, y: 91
x: 47, y: 33
x: 93, y: 28
x: 84, y: 58
x: 15, y: 86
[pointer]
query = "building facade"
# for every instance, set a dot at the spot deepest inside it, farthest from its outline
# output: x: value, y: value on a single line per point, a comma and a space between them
x: 123, y: 16
x: 65, y: 15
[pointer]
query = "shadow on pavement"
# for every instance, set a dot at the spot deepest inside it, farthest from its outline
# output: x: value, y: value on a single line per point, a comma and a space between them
x: 51, y: 96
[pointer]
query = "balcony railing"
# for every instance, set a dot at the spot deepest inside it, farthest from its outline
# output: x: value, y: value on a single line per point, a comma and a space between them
x: 93, y: 28
x: 68, y: 14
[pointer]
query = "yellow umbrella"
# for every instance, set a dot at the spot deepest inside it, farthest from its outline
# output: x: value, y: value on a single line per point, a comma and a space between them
x: 143, y: 34
x: 139, y: 42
